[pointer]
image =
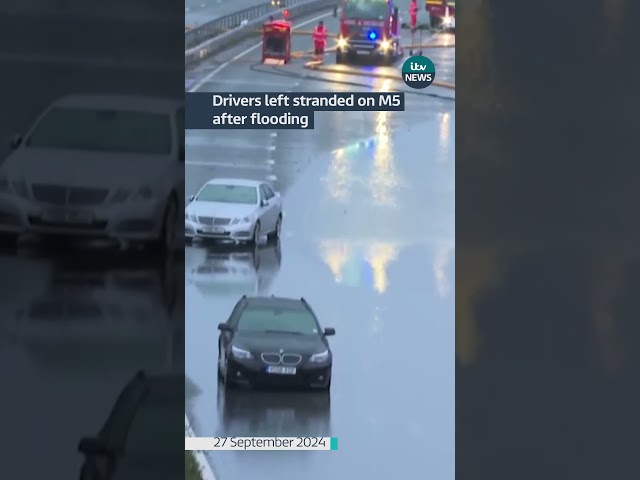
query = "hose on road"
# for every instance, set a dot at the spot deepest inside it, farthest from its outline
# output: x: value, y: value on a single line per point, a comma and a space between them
x: 279, y: 71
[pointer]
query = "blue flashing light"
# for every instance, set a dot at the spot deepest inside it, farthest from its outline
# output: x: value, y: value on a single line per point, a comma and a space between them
x: 372, y: 35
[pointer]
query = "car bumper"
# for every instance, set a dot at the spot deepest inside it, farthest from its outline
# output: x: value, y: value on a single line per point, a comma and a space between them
x: 230, y: 233
x: 128, y: 221
x: 254, y: 373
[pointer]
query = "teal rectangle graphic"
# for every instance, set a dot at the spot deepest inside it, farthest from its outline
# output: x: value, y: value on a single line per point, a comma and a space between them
x: 334, y: 443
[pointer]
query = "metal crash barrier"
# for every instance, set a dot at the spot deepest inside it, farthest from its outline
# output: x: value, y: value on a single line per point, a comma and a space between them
x: 213, y: 37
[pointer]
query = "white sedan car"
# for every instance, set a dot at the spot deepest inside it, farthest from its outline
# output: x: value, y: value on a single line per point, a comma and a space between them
x: 232, y: 210
x: 98, y: 166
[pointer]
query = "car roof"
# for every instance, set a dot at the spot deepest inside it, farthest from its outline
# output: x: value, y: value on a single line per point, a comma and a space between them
x: 134, y: 103
x: 239, y: 182
x: 282, y: 302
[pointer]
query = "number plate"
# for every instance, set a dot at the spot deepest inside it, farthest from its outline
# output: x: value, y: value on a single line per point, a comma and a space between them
x: 213, y: 230
x: 364, y: 51
x: 281, y: 370
x: 67, y: 216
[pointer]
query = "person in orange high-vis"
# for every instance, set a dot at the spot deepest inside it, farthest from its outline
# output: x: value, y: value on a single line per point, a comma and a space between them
x: 413, y: 14
x: 320, y: 38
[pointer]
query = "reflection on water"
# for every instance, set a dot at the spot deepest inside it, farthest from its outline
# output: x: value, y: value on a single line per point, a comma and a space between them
x: 267, y: 414
x: 441, y: 261
x: 445, y: 137
x: 225, y: 271
x: 107, y: 314
x: 355, y: 264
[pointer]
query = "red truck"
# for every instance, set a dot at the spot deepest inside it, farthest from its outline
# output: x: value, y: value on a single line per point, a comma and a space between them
x: 442, y: 13
x: 369, y: 28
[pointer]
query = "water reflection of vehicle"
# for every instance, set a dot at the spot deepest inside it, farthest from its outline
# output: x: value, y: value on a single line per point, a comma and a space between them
x: 244, y: 272
x: 103, y: 314
x: 266, y: 413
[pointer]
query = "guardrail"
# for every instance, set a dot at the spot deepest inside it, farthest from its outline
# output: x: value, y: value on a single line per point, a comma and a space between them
x: 214, y: 36
x: 198, y: 34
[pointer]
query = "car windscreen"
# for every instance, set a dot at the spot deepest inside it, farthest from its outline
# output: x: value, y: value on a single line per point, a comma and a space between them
x: 228, y: 194
x: 277, y: 319
x: 152, y: 431
x: 366, y: 9
x: 107, y: 131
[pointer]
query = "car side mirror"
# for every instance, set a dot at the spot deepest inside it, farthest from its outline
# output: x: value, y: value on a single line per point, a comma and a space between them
x: 329, y: 332
x: 224, y: 327
x: 15, y: 142
x: 94, y: 446
x: 263, y: 203
x: 192, y: 198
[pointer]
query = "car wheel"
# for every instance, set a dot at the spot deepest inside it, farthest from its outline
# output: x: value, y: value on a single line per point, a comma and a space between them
x: 276, y: 233
x: 167, y: 238
x: 256, y: 234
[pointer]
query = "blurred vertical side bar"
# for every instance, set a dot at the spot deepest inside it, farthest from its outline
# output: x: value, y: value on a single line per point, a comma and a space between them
x: 91, y: 257
x: 547, y: 235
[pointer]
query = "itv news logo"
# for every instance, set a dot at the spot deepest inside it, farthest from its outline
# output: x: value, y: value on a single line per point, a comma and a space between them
x: 418, y: 72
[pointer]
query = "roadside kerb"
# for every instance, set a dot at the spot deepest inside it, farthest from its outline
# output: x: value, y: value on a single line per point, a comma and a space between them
x: 205, y: 469
x: 215, y: 45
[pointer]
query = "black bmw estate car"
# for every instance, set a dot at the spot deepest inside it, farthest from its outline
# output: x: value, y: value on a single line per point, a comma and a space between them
x: 274, y: 341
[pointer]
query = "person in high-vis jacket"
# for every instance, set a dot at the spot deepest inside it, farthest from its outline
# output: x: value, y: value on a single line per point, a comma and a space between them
x: 320, y: 38
x: 413, y: 14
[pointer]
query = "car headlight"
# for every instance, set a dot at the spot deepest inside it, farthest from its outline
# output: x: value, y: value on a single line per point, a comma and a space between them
x: 142, y: 194
x: 319, y: 357
x: 385, y: 45
x: 447, y: 20
x: 241, y: 221
x: 240, y: 353
x: 342, y: 42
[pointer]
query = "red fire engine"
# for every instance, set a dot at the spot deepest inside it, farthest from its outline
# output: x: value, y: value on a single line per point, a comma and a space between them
x: 369, y: 28
x: 442, y: 13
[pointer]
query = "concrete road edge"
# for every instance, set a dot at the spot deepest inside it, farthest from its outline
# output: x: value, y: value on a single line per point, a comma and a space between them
x: 205, y: 468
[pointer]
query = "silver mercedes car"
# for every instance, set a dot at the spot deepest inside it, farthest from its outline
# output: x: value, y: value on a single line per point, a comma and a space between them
x: 235, y: 211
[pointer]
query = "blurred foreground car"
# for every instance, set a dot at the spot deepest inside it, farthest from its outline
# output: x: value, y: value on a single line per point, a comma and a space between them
x: 274, y: 341
x: 138, y: 440
x: 101, y: 166
x: 233, y: 210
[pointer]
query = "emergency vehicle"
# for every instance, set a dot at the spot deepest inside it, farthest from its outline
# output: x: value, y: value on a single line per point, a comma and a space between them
x: 369, y: 28
x: 442, y: 13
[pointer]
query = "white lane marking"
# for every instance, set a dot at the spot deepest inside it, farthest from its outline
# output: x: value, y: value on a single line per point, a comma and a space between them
x: 271, y: 148
x: 274, y: 134
x: 212, y: 74
x: 205, y: 468
x: 270, y: 162
x: 237, y: 166
x: 272, y: 178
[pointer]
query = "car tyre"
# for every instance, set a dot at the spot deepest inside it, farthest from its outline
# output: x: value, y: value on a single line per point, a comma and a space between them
x: 256, y: 235
x: 166, y: 240
x: 275, y: 235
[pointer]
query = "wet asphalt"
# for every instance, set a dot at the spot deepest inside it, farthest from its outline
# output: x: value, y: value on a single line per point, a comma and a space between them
x: 368, y: 240
x: 56, y: 334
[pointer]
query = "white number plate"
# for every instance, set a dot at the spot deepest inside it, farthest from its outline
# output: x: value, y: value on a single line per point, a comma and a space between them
x: 366, y: 52
x: 66, y: 216
x: 213, y: 230
x: 281, y: 370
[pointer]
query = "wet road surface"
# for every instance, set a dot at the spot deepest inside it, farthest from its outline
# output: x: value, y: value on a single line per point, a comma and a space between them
x: 368, y: 240
x: 67, y: 350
